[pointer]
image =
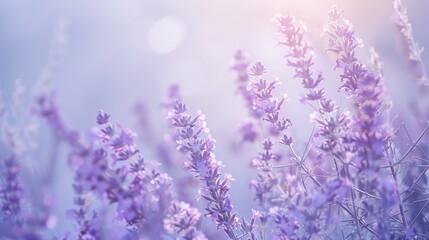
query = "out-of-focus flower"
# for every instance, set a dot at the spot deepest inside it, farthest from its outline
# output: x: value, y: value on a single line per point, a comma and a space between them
x: 181, y: 221
x: 411, y: 48
x: 241, y: 67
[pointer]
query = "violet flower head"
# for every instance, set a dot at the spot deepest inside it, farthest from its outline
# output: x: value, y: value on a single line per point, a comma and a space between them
x: 241, y: 64
x: 343, y: 43
x: 241, y: 67
x: 138, y: 191
x: 120, y: 139
x: 248, y: 131
x: 135, y: 188
x: 371, y: 132
x: 295, y: 215
x: 257, y: 69
x: 375, y: 64
x: 102, y: 117
x: 123, y: 145
x: 46, y: 108
x: 300, y: 54
x: 11, y: 192
x: 85, y: 220
x: 365, y: 87
x: 269, y: 106
x: 181, y: 220
x: 286, y: 222
x: 411, y: 48
x: 265, y: 187
x: 193, y: 138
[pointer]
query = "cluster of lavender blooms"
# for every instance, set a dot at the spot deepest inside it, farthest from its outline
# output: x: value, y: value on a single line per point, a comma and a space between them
x: 353, y: 179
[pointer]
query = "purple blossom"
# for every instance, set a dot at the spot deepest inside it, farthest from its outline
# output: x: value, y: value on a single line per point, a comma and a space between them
x: 343, y: 43
x: 181, y: 220
x: 123, y: 145
x: 241, y: 67
x: 300, y: 54
x: 47, y: 109
x: 248, y: 131
x: 137, y: 191
x: 288, y: 224
x: 102, y: 117
x: 11, y: 193
x: 194, y: 138
x: 411, y: 48
x: 365, y: 87
x: 84, y: 219
x: 265, y: 187
x: 270, y: 106
x: 257, y: 69
x: 371, y: 131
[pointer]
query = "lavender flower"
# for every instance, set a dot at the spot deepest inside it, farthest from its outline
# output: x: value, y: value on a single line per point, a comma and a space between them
x: 375, y: 64
x: 193, y: 137
x: 248, y: 131
x: 411, y: 48
x: 297, y: 216
x: 300, y: 55
x: 181, y: 220
x: 47, y: 109
x: 332, y: 125
x: 18, y: 139
x: 269, y: 107
x: 241, y: 67
x: 138, y: 190
x: 84, y: 219
x: 265, y: 187
x: 102, y: 118
x: 365, y: 86
x: 371, y: 131
x: 343, y: 43
x: 11, y: 192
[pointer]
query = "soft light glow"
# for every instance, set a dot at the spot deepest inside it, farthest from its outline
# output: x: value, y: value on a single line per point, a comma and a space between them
x: 166, y: 34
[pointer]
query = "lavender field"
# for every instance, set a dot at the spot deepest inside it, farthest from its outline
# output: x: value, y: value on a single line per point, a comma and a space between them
x: 241, y: 119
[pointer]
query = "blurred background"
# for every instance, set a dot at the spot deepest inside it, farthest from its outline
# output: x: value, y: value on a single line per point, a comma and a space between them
x: 117, y: 53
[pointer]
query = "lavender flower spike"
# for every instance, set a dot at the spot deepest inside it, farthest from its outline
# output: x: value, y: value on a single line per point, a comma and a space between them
x: 241, y: 67
x: 11, y: 192
x: 181, y: 221
x: 411, y: 48
x: 300, y: 57
x: 193, y: 138
x: 365, y: 87
x: 269, y: 107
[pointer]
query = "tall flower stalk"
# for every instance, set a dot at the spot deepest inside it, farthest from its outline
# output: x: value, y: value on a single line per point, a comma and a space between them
x: 371, y: 130
x: 411, y: 48
x: 331, y: 136
x: 193, y: 137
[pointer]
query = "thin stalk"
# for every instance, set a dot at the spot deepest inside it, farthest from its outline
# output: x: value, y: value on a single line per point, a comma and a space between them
x: 413, y: 146
x: 420, y: 212
x: 365, y: 225
x: 400, y: 203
